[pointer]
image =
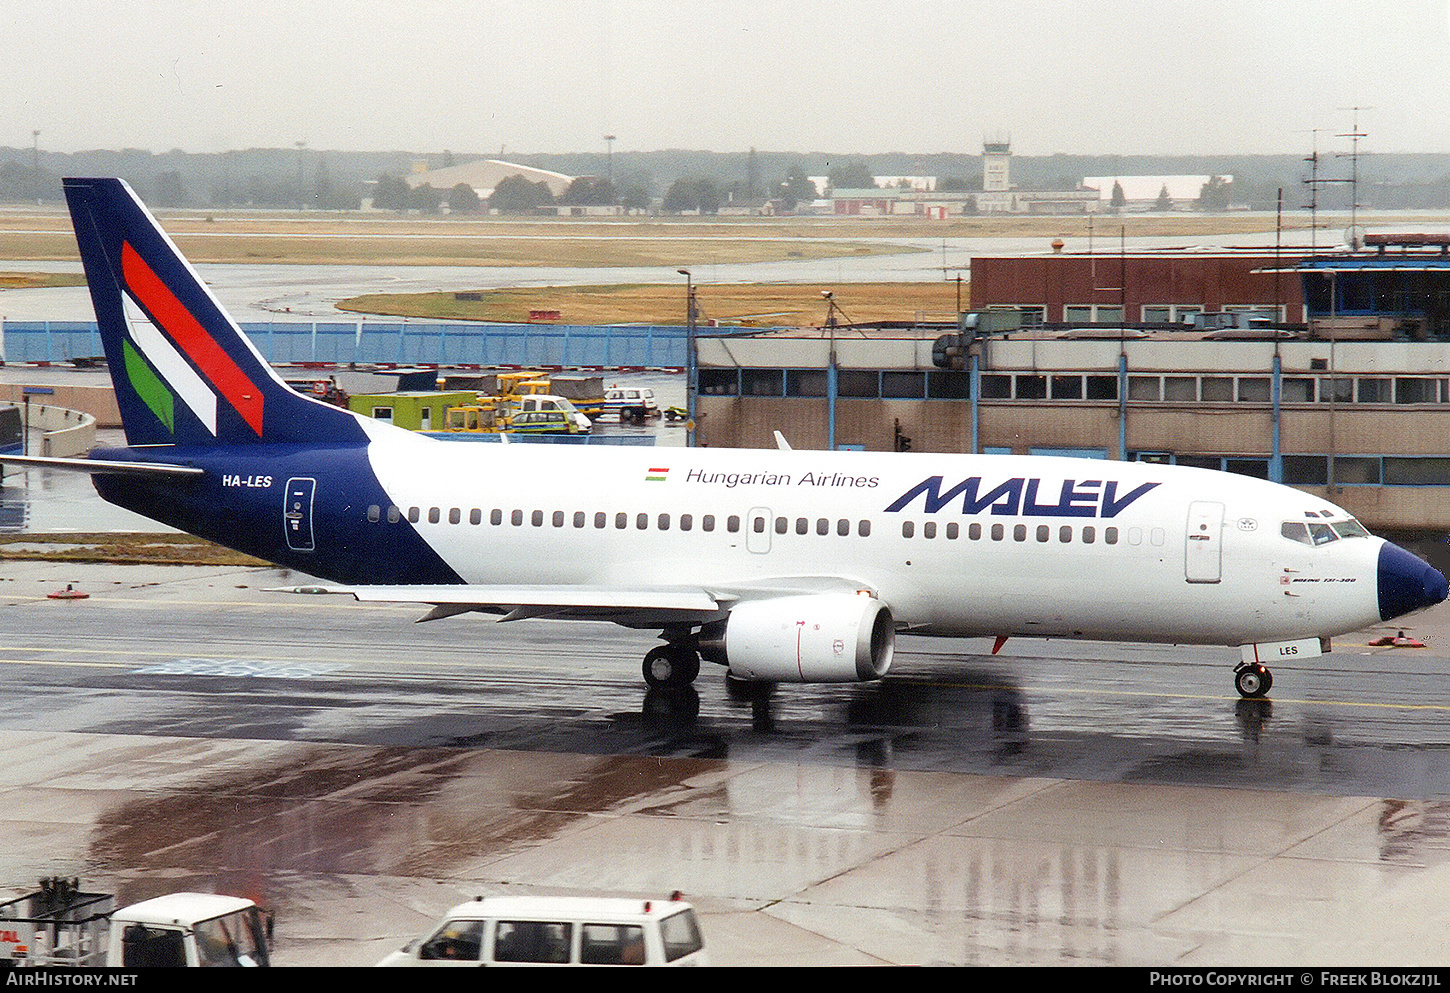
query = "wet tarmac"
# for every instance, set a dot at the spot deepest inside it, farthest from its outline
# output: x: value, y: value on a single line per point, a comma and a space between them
x: 1056, y: 804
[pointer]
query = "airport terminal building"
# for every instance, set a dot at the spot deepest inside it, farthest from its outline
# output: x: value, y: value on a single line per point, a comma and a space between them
x: 1335, y: 379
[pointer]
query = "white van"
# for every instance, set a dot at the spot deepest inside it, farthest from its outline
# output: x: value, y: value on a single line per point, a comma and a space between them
x: 519, y: 930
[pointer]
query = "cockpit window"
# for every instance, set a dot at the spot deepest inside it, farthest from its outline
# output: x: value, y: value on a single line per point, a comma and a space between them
x: 1296, y: 531
x: 1350, y: 529
x: 1310, y: 534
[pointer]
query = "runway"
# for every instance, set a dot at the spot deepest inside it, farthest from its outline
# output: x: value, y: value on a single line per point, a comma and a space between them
x: 1056, y: 804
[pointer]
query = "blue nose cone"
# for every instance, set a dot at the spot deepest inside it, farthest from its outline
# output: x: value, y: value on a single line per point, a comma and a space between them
x: 1407, y: 583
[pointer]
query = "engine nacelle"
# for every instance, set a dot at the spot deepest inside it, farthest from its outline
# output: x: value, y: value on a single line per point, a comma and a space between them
x: 812, y: 638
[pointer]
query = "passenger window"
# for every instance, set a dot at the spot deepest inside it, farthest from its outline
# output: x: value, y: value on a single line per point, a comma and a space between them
x: 601, y: 519
x: 433, y: 515
x: 823, y: 526
x: 641, y: 522
x: 1064, y: 534
x: 611, y: 944
x: 953, y: 529
x: 928, y: 530
x: 1088, y: 534
x: 1044, y: 532
x: 998, y: 532
x: 781, y: 525
x: 457, y: 941
x: 864, y: 529
x: 686, y: 522
x: 455, y: 515
x: 802, y: 526
x: 537, y: 518
x: 475, y: 516
x: 394, y: 515
x: 732, y: 523
x: 843, y: 528
x: 517, y: 518
x: 1110, y: 536
x: 621, y: 520
x: 758, y: 525
x: 974, y: 531
x: 558, y: 518
x: 375, y: 513
x: 664, y: 522
x: 413, y: 515
x: 707, y: 523
x: 579, y: 518
x: 1019, y: 532
x: 907, y: 529
x: 495, y: 516
x: 532, y: 941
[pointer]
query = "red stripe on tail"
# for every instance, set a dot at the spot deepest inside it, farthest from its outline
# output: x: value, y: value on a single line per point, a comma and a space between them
x: 192, y: 338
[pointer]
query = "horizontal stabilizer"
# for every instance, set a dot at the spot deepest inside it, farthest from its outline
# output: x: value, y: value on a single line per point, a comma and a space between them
x: 103, y: 466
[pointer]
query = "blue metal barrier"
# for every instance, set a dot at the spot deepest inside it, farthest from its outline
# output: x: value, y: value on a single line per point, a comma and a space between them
x: 401, y: 343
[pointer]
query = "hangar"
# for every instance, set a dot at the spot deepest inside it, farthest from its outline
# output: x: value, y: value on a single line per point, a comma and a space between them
x: 484, y: 174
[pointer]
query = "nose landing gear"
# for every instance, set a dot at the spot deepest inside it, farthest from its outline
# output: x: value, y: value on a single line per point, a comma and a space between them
x: 1252, y: 680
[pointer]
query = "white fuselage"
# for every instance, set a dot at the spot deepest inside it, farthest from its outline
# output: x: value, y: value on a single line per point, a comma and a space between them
x: 1035, y: 546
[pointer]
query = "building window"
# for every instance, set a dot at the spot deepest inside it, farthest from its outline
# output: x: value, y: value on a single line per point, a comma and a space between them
x: 903, y: 385
x: 858, y: 383
x: 1216, y: 389
x: 1101, y: 388
x: 1067, y: 387
x: 1031, y: 388
x: 762, y: 382
x: 719, y: 382
x: 1253, y: 389
x: 805, y: 382
x: 1145, y: 388
x: 1180, y: 389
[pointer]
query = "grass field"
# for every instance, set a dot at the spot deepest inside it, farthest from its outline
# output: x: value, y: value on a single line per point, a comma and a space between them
x: 759, y: 304
x: 152, y: 549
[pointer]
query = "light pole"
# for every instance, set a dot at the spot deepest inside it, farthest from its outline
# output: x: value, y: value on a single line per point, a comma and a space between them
x: 609, y: 156
x: 690, y: 362
x: 831, y: 371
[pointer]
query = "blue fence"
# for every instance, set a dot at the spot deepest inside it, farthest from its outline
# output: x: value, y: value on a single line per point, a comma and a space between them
x: 406, y: 343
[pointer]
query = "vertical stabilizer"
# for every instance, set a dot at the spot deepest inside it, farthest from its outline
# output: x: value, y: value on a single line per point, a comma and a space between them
x: 183, y: 371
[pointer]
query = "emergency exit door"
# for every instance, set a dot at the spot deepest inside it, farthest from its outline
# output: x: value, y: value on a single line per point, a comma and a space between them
x: 297, y: 513
x: 1203, y: 552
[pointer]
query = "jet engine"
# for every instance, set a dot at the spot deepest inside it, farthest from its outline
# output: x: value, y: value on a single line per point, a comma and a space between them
x: 812, y: 638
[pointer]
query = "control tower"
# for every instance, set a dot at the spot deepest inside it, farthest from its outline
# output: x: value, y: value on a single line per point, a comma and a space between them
x: 996, y: 163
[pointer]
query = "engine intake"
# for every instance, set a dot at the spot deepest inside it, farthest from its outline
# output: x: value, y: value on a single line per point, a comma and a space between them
x: 813, y: 638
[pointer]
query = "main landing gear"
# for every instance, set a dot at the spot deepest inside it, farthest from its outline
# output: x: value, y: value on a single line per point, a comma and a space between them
x: 1252, y: 680
x: 676, y: 663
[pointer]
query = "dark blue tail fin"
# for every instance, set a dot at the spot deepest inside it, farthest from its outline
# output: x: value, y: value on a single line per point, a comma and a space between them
x: 183, y: 371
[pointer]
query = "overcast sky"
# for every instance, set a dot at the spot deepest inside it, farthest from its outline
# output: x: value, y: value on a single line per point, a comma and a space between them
x: 475, y: 76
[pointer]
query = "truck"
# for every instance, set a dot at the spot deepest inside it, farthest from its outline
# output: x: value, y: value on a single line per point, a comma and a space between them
x: 59, y: 925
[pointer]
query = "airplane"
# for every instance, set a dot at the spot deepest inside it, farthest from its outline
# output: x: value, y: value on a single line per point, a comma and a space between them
x: 780, y: 565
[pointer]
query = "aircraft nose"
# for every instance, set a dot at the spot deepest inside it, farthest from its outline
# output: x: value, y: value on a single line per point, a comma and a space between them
x: 1407, y: 583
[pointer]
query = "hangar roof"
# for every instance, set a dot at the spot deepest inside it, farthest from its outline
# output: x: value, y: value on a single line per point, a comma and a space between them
x: 484, y: 174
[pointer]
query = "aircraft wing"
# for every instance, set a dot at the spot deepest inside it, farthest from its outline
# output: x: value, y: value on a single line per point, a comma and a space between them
x: 642, y: 606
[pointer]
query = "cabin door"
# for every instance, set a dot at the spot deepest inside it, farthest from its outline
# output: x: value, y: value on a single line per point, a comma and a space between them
x: 297, y: 513
x: 1203, y: 554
